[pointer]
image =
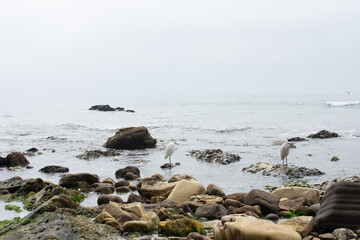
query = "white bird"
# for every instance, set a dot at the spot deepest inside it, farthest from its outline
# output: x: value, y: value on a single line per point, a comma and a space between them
x: 284, y: 151
x: 169, y: 150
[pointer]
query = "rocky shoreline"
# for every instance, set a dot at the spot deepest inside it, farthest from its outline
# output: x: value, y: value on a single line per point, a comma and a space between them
x: 180, y: 207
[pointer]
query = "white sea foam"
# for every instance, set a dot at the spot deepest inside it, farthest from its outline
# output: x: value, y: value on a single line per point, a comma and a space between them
x: 343, y: 104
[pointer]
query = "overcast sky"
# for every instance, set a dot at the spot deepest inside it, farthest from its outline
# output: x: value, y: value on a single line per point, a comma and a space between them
x: 179, y: 47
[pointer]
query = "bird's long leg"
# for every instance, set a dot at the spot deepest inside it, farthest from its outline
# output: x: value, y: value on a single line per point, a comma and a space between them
x: 286, y: 161
x: 170, y: 159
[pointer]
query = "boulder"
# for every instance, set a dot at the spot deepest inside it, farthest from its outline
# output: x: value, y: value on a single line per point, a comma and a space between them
x: 203, y: 198
x: 179, y: 177
x: 104, y: 217
x: 122, y: 190
x: 246, y: 209
x: 93, y: 154
x: 345, y: 234
x: 54, y: 169
x: 11, y: 185
x: 324, y: 134
x: 292, y: 204
x: 15, y: 159
x: 212, y: 189
x: 133, y: 210
x: 268, y: 202
x: 104, y: 108
x: 137, y: 226
x: 215, y: 155
x: 211, y: 211
x: 105, y: 199
x: 128, y: 173
x: 104, y: 188
x: 232, y: 203
x: 303, y: 225
x: 310, y: 194
x: 155, y: 186
x: 339, y: 207
x: 250, y: 228
x: 134, y: 198
x: 185, y: 189
x: 131, y: 138
x: 180, y: 227
x: 237, y: 196
x: 78, y: 180
x: 190, y: 206
x: 122, y: 183
x: 32, y: 185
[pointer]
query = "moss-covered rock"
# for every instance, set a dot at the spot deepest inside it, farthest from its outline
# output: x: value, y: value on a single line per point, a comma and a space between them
x: 180, y: 227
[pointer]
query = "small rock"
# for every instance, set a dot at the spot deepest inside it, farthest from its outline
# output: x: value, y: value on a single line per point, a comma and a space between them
x: 212, y: 189
x: 211, y: 211
x: 344, y: 234
x: 122, y: 190
x: 272, y: 217
x: 327, y: 236
x: 54, y: 169
x: 167, y: 165
x: 33, y: 150
x: 123, y: 173
x: 134, y: 198
x: 323, y: 134
x: 296, y: 139
x: 215, y: 155
x: 105, y: 199
x: 334, y: 159
x: 122, y: 183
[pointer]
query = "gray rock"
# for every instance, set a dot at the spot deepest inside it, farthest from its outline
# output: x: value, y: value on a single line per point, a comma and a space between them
x: 14, y: 159
x: 122, y: 183
x: 232, y: 203
x: 105, y: 199
x: 215, y: 155
x: 237, y: 196
x: 292, y: 204
x: 212, y: 189
x: 128, y: 173
x: 324, y: 134
x: 344, y: 234
x: 54, y: 169
x: 211, y: 211
x: 268, y: 202
x: 78, y: 180
x: 104, y: 108
x: 131, y: 138
x: 93, y: 154
x: 272, y: 217
x: 104, y: 188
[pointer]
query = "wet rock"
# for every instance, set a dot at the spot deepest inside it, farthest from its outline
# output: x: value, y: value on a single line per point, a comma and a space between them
x: 303, y: 225
x: 237, y: 196
x: 134, y: 198
x: 130, y: 111
x: 291, y: 171
x: 14, y: 159
x: 32, y: 185
x: 33, y: 150
x: 232, y: 203
x: 334, y: 159
x: 78, y: 180
x: 128, y: 173
x: 105, y: 199
x: 56, y: 225
x: 339, y: 207
x: 327, y: 236
x: 109, y: 180
x: 268, y: 202
x: 246, y: 209
x: 203, y: 198
x: 272, y: 217
x: 195, y: 236
x: 190, y: 206
x: 122, y: 183
x: 212, y: 189
x: 211, y: 211
x: 296, y: 139
x: 179, y: 177
x: 54, y: 169
x: 292, y: 204
x: 344, y: 234
x: 167, y: 165
x: 215, y: 155
x: 137, y: 226
x: 250, y: 228
x: 11, y: 185
x: 122, y: 190
x: 310, y: 194
x: 104, y: 108
x: 104, y: 188
x: 164, y: 214
x: 184, y: 190
x: 156, y: 185
x: 93, y: 154
x: 323, y: 134
x: 131, y: 138
x: 180, y: 227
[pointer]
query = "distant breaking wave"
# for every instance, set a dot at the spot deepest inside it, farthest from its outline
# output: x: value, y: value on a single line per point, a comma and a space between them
x: 191, y: 129
x: 343, y: 104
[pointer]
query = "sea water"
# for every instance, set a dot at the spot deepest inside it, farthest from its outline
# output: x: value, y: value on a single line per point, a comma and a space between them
x: 247, y: 125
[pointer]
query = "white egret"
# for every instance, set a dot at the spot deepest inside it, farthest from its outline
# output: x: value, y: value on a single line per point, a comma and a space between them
x: 284, y: 151
x: 169, y: 150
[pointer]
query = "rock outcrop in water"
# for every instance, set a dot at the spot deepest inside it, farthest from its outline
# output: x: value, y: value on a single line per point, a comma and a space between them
x: 131, y: 138
x: 323, y: 134
x: 215, y: 155
x: 93, y: 154
x: 13, y: 160
x: 291, y: 171
x: 107, y: 108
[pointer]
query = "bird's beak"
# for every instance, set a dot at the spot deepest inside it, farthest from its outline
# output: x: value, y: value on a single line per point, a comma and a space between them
x: 176, y: 143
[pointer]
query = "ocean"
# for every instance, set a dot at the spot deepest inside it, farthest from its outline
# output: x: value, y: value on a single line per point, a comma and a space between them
x: 246, y: 125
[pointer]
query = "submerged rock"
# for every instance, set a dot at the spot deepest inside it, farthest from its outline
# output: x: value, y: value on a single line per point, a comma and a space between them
x: 54, y: 169
x: 215, y: 155
x: 290, y: 171
x: 296, y: 139
x: 98, y: 153
x: 131, y: 138
x: 78, y: 180
x: 105, y: 108
x: 324, y: 134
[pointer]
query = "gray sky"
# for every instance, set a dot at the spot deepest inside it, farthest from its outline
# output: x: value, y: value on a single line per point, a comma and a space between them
x: 179, y: 47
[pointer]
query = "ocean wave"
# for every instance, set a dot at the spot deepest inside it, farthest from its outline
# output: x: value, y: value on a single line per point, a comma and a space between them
x: 194, y: 129
x: 343, y: 104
